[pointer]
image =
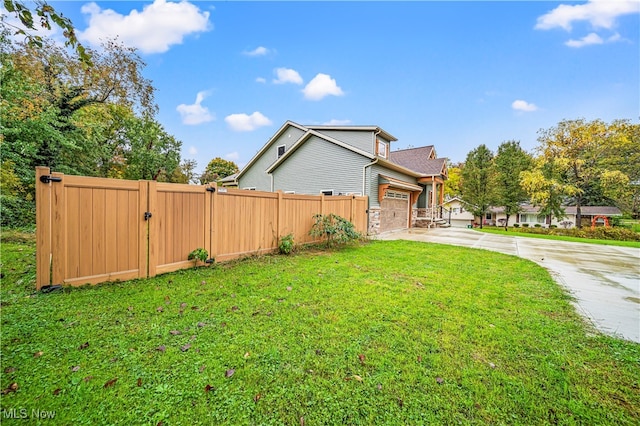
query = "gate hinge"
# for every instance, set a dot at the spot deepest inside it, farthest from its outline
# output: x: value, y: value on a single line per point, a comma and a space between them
x: 147, y: 215
x: 49, y: 178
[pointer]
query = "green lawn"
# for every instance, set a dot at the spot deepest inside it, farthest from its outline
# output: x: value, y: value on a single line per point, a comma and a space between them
x: 392, y: 332
x: 516, y: 232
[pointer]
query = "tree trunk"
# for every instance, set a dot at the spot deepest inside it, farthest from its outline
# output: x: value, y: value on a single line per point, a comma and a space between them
x: 578, y: 215
x: 506, y: 223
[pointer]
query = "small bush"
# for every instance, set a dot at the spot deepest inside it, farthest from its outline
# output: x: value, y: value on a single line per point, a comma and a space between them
x: 333, y: 229
x: 525, y: 225
x: 553, y: 226
x: 198, y: 254
x: 516, y: 225
x: 286, y: 244
x: 537, y: 225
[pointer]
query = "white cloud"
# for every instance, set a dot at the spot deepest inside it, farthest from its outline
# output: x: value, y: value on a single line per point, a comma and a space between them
x: 258, y: 51
x: 153, y: 30
x: 599, y: 13
x: 261, y: 80
x: 322, y: 85
x: 520, y: 105
x: 195, y: 113
x: 247, y: 123
x: 287, y: 75
x: 592, y: 38
x: 335, y: 122
x: 232, y: 156
x: 192, y: 150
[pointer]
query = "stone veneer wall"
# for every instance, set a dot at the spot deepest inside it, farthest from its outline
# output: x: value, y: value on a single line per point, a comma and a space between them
x: 374, y: 221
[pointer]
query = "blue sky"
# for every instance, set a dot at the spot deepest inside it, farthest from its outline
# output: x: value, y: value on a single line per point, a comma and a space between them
x: 450, y: 74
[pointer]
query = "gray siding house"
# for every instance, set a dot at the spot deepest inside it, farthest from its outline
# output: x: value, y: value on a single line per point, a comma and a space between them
x: 404, y: 187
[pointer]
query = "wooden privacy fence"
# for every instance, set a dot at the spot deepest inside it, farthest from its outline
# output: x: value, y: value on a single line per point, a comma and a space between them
x: 92, y: 230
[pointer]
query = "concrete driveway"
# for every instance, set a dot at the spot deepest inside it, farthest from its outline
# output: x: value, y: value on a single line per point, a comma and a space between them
x: 604, y: 280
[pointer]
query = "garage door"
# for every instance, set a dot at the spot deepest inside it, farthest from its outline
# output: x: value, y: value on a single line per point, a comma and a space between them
x: 394, y: 211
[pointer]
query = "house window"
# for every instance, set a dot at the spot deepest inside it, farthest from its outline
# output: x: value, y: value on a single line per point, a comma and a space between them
x: 250, y: 188
x: 281, y: 150
x: 487, y: 216
x: 327, y: 192
x: 382, y: 149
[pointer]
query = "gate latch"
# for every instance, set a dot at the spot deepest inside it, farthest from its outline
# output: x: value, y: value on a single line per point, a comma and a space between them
x: 49, y: 178
x: 147, y: 215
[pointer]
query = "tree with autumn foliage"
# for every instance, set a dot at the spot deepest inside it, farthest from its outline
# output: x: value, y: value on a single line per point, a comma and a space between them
x: 584, y: 163
x: 217, y: 169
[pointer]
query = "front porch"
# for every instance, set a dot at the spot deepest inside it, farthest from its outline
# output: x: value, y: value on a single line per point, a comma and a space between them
x: 428, y: 211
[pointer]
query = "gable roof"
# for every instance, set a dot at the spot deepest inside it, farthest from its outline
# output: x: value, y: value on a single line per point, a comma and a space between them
x: 266, y: 146
x: 376, y: 129
x: 305, y: 138
x: 420, y: 160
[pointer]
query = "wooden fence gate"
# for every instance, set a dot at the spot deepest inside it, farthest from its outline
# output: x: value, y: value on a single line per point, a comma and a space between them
x: 92, y: 230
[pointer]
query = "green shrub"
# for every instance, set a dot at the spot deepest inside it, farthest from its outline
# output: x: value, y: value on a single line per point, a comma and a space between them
x: 525, y: 225
x: 333, y: 229
x: 516, y: 225
x: 553, y: 226
x: 286, y: 244
x: 198, y: 254
x: 17, y: 212
x: 537, y: 225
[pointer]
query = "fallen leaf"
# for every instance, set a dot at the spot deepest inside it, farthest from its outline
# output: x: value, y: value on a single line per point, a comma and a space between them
x: 12, y: 388
x: 175, y: 332
x: 223, y: 324
x: 233, y: 295
x: 139, y: 382
x: 110, y: 383
x: 318, y: 352
x: 229, y: 372
x: 201, y: 369
x: 362, y: 358
x: 358, y: 378
x: 419, y: 358
x: 130, y: 308
x: 195, y: 308
x: 208, y: 388
x: 9, y: 370
x: 38, y: 354
x: 192, y: 337
x: 167, y: 299
x: 183, y: 305
x: 440, y: 380
x: 301, y: 421
x: 57, y: 391
x: 159, y: 309
x: 203, y: 282
x: 161, y: 348
x: 247, y: 355
x: 257, y: 398
x: 492, y: 365
x: 400, y: 403
x: 234, y: 308
x: 289, y: 288
x: 86, y: 379
x: 201, y: 324
x: 379, y: 386
x: 185, y: 347
x: 76, y: 368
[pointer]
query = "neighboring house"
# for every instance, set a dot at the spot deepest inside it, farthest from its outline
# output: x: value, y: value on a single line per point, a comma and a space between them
x: 530, y: 215
x: 230, y: 181
x: 455, y: 213
x: 404, y: 187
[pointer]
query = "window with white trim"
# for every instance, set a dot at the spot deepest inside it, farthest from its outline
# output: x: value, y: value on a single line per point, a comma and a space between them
x: 382, y: 149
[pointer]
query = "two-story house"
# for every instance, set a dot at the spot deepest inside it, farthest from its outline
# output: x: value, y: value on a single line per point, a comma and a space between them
x: 403, y: 186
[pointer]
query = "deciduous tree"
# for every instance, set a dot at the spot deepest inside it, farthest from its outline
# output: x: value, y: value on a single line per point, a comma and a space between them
x: 217, y: 169
x: 510, y: 161
x: 478, y: 181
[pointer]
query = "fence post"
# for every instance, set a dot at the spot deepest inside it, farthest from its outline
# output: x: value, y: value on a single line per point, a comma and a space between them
x: 213, y: 250
x: 353, y: 208
x: 43, y: 229
x: 280, y: 219
x: 150, y: 230
x: 322, y: 204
